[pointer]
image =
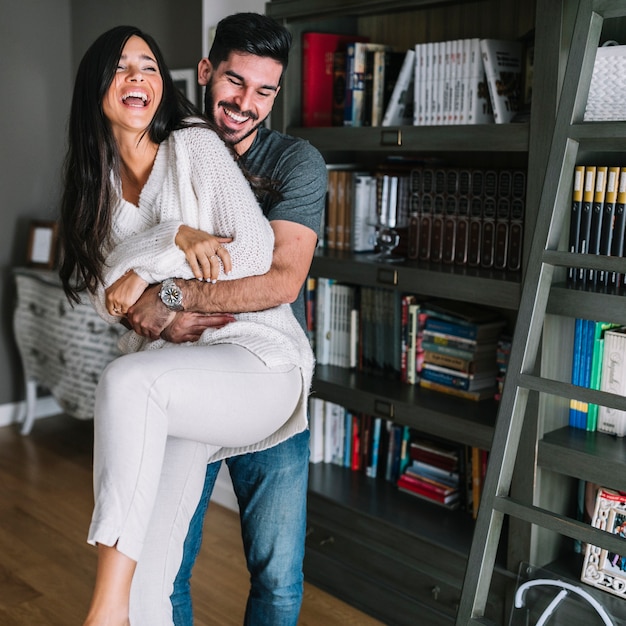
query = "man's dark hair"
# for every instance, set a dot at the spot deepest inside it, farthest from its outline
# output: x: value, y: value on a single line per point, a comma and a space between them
x: 251, y: 33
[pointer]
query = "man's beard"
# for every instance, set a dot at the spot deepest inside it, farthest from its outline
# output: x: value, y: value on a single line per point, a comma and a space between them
x: 228, y: 135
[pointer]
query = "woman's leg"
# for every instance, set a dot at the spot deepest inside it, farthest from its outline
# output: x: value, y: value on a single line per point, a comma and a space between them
x: 222, y: 395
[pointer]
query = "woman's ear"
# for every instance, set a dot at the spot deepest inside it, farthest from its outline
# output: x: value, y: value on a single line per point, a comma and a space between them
x: 204, y: 71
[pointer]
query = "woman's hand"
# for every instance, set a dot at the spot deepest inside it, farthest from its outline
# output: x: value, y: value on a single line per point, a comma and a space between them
x: 203, y: 252
x: 124, y: 292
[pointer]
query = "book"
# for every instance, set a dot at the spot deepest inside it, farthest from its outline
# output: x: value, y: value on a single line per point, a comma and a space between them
x: 619, y: 224
x: 434, y: 473
x: 575, y: 212
x: 597, y: 215
x: 576, y: 370
x: 585, y: 219
x: 502, y: 60
x: 479, y: 109
x: 316, y: 426
x: 472, y: 365
x: 457, y: 379
x: 608, y: 215
x: 476, y: 331
x: 356, y: 81
x: 613, y: 380
x: 399, y: 111
x: 599, y: 329
x: 364, y: 218
x: 387, y: 66
x: 477, y: 395
x: 415, y: 488
x: 323, y: 319
x: 318, y: 50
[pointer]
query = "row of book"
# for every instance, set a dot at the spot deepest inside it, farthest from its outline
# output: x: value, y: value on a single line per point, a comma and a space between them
x: 348, y: 80
x: 467, y: 217
x: 598, y: 224
x: 443, y: 346
x: 598, y: 362
x: 441, y: 472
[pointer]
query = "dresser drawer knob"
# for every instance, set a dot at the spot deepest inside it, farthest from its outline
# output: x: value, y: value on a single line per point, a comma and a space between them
x: 328, y: 541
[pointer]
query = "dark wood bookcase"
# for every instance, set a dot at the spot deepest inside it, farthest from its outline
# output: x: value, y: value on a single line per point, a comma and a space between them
x: 397, y: 558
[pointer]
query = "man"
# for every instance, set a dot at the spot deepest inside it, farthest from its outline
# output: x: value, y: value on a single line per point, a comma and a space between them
x: 242, y: 76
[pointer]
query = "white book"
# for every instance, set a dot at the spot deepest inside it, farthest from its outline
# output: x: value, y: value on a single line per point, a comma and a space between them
x: 363, y: 231
x: 503, y: 67
x: 399, y: 111
x: 333, y: 433
x: 613, y: 380
x: 419, y: 96
x: 322, y: 320
x: 463, y: 81
x: 478, y: 100
x: 316, y: 426
x: 428, y: 84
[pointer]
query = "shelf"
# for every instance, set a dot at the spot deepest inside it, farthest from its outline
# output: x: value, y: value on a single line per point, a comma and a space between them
x: 303, y: 9
x: 427, y: 411
x: 381, y: 500
x: 419, y: 139
x: 591, y: 456
x: 486, y: 287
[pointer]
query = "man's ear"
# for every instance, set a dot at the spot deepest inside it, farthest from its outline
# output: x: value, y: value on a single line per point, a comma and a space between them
x: 204, y: 71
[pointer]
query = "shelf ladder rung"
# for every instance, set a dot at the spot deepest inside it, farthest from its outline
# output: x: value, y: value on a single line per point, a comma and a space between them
x: 560, y: 524
x: 567, y: 390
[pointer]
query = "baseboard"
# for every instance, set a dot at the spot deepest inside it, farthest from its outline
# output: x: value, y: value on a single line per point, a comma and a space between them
x: 12, y: 412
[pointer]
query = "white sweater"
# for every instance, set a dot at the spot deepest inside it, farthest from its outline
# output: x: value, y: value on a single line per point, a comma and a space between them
x: 195, y: 181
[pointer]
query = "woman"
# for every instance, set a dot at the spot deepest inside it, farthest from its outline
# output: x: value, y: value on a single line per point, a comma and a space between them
x: 144, y: 185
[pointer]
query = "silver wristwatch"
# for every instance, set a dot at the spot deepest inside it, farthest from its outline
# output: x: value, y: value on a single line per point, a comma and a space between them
x: 171, y: 295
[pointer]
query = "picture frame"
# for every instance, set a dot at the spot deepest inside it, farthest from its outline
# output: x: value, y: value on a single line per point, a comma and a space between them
x: 42, y: 244
x: 186, y: 81
x: 602, y: 568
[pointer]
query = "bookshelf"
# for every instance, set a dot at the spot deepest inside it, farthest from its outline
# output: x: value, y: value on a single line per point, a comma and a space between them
x: 393, y: 556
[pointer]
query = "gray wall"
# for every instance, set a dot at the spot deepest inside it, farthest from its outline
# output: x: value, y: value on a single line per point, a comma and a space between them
x: 41, y: 43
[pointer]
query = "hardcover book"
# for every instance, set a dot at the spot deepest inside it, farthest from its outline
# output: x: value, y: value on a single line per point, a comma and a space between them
x: 503, y: 67
x: 318, y: 50
x: 399, y: 111
x: 613, y: 421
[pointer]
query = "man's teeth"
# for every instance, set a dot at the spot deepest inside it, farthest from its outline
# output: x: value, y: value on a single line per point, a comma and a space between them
x: 235, y: 117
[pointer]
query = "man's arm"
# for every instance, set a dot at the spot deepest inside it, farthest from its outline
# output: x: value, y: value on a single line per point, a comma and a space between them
x: 294, y: 247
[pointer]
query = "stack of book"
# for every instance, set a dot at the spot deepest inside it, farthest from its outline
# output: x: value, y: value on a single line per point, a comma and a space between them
x: 433, y: 473
x: 460, y: 343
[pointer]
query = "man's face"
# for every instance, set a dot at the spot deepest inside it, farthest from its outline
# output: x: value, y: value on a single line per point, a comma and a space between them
x: 240, y: 95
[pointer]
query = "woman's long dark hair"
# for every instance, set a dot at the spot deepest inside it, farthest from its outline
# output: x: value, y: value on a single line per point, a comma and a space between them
x: 92, y: 156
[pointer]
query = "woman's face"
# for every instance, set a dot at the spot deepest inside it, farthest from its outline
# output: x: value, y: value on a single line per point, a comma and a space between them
x: 136, y: 90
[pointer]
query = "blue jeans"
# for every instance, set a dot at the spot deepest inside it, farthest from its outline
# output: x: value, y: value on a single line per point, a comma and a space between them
x: 271, y: 487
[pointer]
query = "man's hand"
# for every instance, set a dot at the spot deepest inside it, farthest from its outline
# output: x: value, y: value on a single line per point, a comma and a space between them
x: 188, y: 326
x: 148, y: 317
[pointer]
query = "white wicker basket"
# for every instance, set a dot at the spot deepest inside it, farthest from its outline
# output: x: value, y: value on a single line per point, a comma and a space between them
x: 607, y: 93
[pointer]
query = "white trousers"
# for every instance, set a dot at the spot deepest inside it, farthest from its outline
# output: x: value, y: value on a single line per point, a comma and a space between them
x: 159, y: 415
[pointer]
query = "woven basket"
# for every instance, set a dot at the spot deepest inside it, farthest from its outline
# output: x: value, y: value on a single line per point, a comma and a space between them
x: 607, y: 92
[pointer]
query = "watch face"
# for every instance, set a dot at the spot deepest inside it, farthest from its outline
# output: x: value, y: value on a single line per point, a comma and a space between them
x: 171, y: 296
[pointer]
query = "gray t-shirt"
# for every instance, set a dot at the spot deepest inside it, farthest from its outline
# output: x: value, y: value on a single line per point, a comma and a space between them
x: 301, y: 173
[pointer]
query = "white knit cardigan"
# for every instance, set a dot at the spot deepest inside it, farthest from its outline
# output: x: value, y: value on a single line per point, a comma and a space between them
x: 195, y: 181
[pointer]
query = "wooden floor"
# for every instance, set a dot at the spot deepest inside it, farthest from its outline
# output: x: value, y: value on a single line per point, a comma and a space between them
x: 47, y: 568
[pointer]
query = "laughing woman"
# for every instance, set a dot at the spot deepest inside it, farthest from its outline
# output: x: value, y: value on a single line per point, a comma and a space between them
x: 145, y: 184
